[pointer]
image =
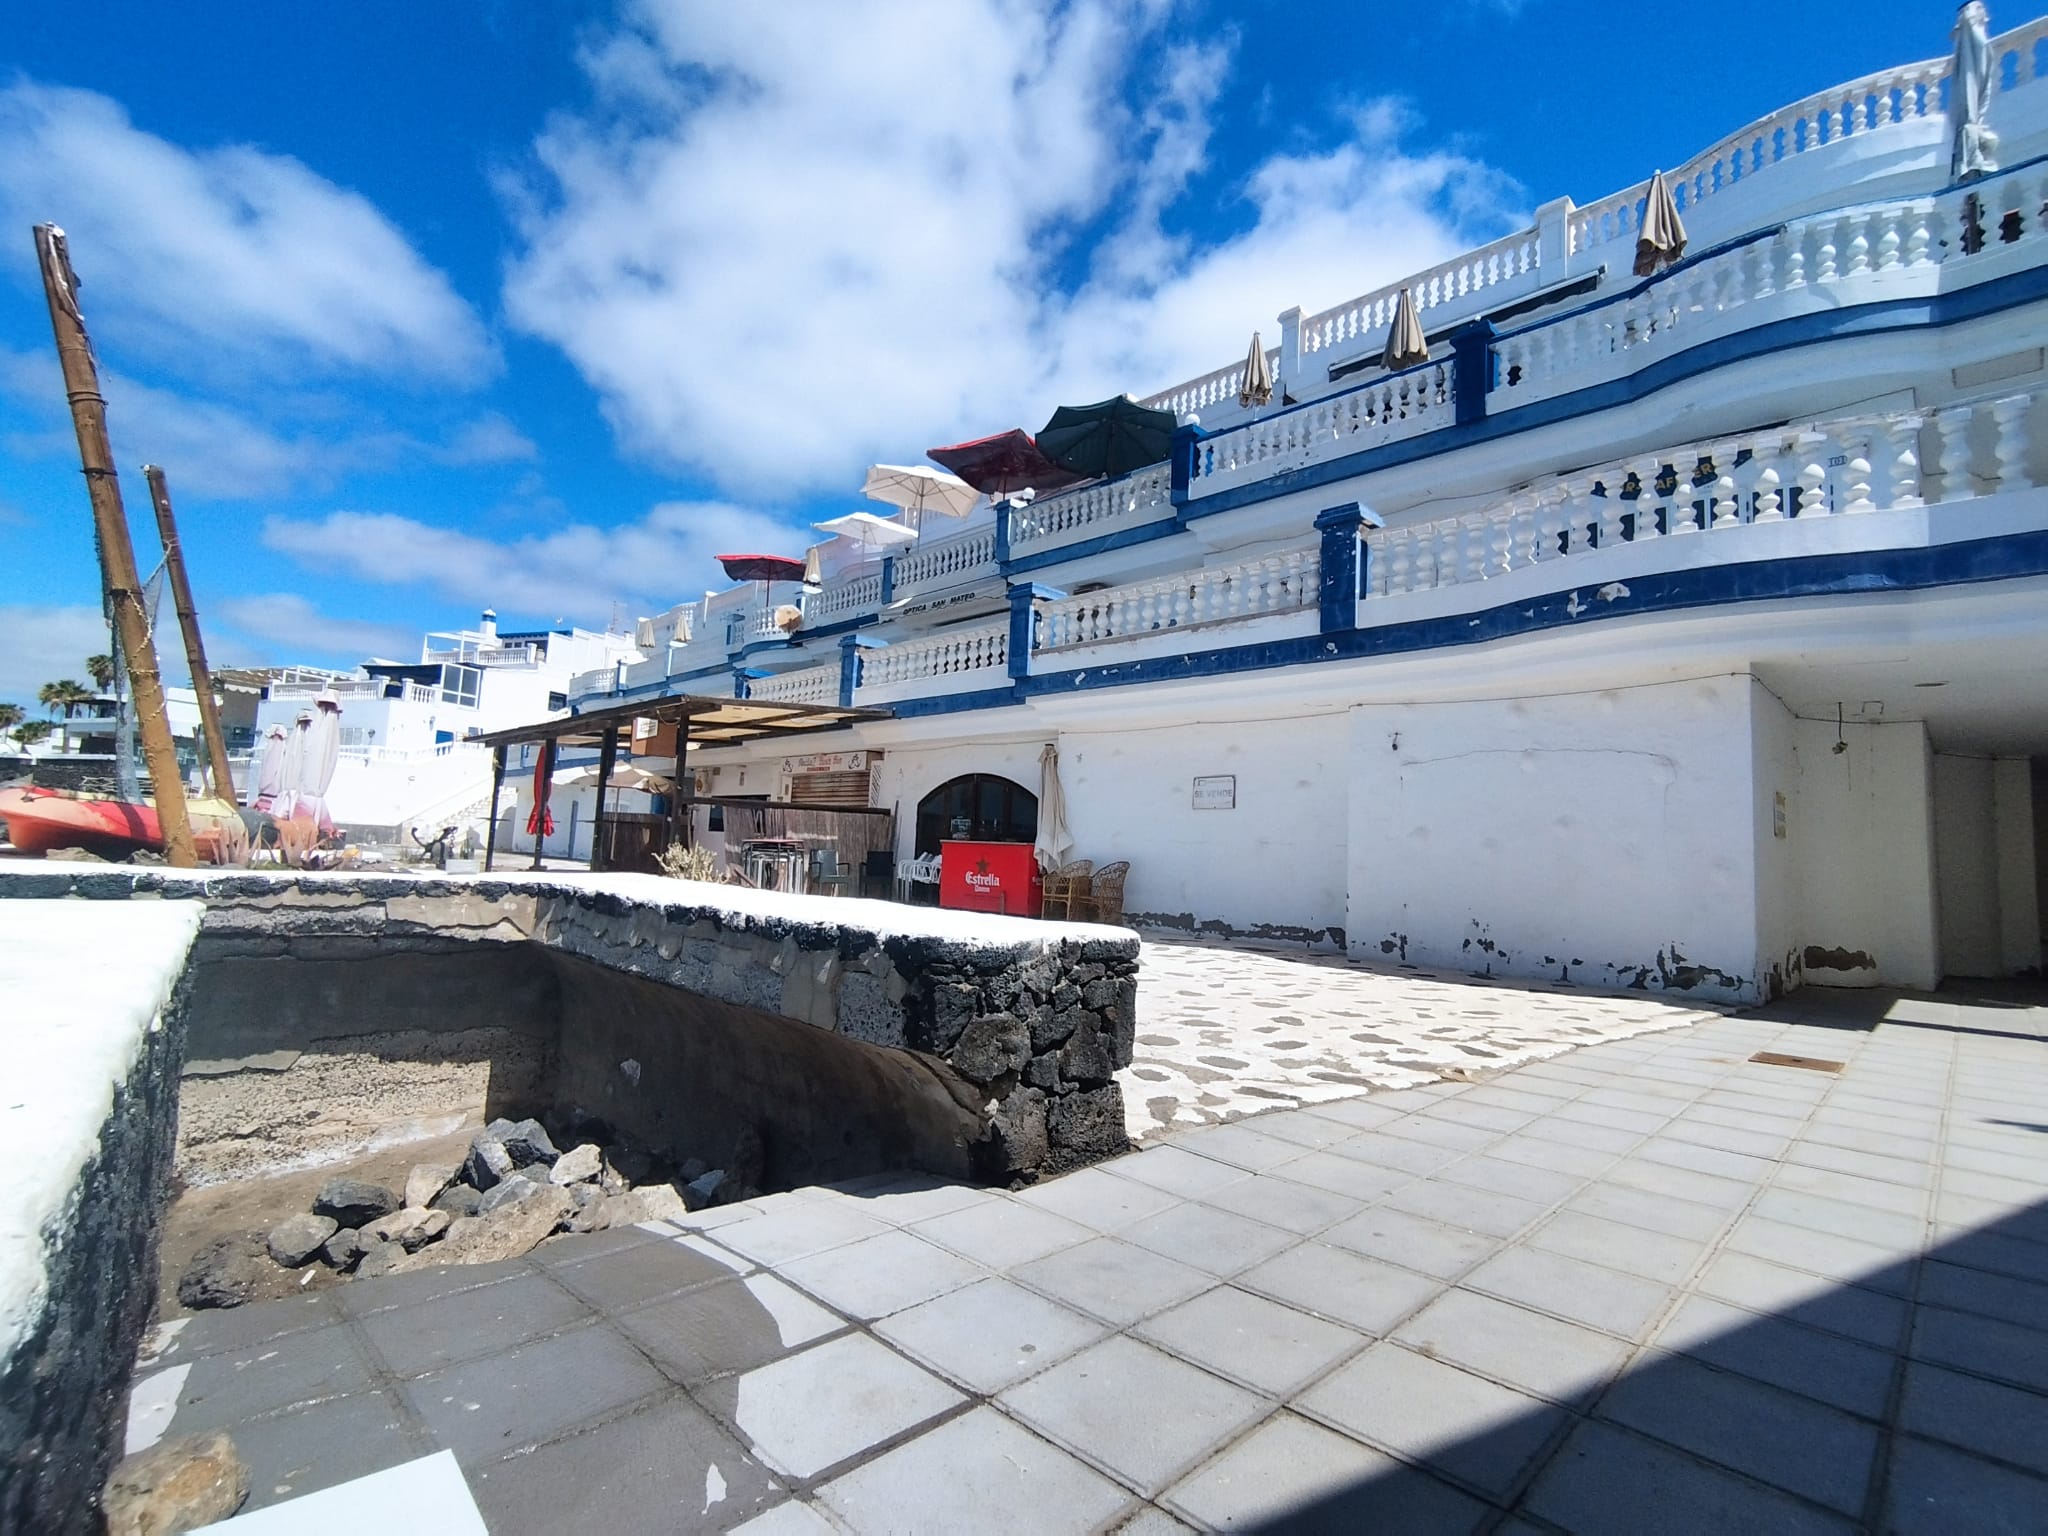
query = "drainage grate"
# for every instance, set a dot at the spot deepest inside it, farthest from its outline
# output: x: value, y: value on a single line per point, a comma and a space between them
x: 1810, y: 1063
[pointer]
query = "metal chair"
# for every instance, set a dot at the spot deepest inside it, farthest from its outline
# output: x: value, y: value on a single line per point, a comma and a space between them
x: 828, y: 876
x: 1104, y: 900
x: 1065, y: 886
x: 878, y: 869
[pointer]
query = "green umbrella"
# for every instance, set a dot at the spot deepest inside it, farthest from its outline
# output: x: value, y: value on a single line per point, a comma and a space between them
x: 1111, y: 437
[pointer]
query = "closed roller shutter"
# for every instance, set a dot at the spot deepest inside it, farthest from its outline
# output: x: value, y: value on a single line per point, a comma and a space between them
x: 845, y: 790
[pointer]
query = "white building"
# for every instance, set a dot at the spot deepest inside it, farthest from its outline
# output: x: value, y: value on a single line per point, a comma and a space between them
x: 1681, y: 632
x: 408, y: 754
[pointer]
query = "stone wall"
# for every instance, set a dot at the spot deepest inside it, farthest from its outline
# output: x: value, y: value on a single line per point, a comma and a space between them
x: 86, y: 1133
x: 1009, y: 1030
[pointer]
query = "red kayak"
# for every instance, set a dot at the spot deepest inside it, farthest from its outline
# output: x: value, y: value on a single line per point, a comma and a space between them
x: 39, y: 820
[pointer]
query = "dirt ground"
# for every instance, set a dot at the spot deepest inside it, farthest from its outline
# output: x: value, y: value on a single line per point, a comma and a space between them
x: 198, y: 1216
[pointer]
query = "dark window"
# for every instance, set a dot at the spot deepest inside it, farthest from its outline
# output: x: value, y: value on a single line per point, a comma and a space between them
x: 977, y: 806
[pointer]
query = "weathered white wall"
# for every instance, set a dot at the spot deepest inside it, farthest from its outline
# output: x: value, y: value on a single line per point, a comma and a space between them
x: 1775, y: 776
x: 1603, y: 837
x: 2019, y: 910
x: 1984, y: 856
x: 1273, y: 864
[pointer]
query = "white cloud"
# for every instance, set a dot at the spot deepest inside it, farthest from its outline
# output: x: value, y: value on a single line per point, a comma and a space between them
x: 788, y: 239
x: 576, y: 571
x: 41, y: 643
x: 228, y: 253
x: 286, y: 628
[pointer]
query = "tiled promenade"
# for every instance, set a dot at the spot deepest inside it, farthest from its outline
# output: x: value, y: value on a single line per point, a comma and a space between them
x: 1648, y: 1286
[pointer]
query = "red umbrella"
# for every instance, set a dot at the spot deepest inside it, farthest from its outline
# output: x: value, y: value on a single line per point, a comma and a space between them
x: 540, y: 821
x: 762, y: 567
x: 1007, y: 462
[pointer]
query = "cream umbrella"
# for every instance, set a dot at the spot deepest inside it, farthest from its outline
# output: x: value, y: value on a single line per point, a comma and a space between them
x: 1973, y: 146
x: 918, y: 490
x: 269, y: 779
x: 316, y: 767
x: 1257, y: 387
x: 1406, y: 345
x: 870, y: 532
x: 1053, y: 842
x: 1661, y: 240
x: 290, y: 764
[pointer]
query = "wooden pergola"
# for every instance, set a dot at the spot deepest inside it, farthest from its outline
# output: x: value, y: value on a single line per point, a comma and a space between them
x: 698, y: 719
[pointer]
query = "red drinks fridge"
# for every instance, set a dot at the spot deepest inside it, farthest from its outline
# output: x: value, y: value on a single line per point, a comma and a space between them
x: 990, y: 877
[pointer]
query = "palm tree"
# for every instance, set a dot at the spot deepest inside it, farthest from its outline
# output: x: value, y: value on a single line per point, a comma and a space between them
x: 29, y: 732
x: 102, y: 669
x: 11, y: 715
x: 65, y: 694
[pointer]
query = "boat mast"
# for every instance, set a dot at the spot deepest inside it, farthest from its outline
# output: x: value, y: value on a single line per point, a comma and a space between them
x: 188, y: 623
x: 117, y: 554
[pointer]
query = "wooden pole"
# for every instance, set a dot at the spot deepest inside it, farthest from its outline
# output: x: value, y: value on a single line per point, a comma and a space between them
x: 188, y: 624
x: 681, y: 827
x: 117, y: 554
x: 497, y: 787
x: 607, y: 751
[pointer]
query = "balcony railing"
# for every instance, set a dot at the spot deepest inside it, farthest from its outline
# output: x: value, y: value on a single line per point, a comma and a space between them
x: 1401, y: 405
x: 953, y: 653
x: 945, y: 562
x: 1282, y: 583
x: 1091, y: 510
x: 809, y: 685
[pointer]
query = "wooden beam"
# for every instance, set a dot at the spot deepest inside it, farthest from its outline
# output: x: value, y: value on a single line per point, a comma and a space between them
x: 606, y: 752
x: 680, y: 828
x: 188, y: 624
x: 497, y: 787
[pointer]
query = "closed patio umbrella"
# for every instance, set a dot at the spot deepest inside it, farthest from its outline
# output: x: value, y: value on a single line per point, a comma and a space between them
x: 1257, y: 387
x: 1110, y: 437
x: 316, y: 767
x: 1054, y: 842
x: 291, y: 765
x: 540, y: 821
x: 1406, y: 345
x: 268, y: 781
x: 1973, y: 146
x: 1661, y: 240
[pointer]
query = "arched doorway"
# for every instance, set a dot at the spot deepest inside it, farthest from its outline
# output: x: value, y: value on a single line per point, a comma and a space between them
x: 984, y: 807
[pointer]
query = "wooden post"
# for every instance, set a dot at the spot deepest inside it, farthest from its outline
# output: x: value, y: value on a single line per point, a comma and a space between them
x: 497, y: 788
x: 607, y: 750
x: 681, y: 823
x: 117, y: 554
x: 188, y: 623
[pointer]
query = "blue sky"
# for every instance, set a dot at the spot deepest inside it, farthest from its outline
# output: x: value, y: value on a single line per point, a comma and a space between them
x: 428, y: 307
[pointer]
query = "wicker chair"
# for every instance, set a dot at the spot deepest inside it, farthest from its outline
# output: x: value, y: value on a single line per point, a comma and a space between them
x: 1064, y: 887
x: 1103, y: 902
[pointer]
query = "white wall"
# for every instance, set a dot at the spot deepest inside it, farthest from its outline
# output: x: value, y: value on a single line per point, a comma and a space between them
x: 1862, y: 834
x: 1274, y: 863
x: 1607, y: 838
x: 1775, y: 771
x: 1984, y: 857
x: 906, y: 775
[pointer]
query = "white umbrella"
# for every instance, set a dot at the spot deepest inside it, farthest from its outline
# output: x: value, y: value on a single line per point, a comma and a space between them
x: 1406, y: 345
x: 868, y: 531
x: 1661, y: 240
x: 269, y: 779
x: 1973, y: 145
x: 316, y: 766
x: 919, y: 490
x: 1257, y: 388
x: 291, y: 766
x: 1054, y: 842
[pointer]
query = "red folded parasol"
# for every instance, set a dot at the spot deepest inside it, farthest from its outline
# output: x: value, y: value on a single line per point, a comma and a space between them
x: 540, y: 821
x: 762, y: 567
x: 1007, y: 462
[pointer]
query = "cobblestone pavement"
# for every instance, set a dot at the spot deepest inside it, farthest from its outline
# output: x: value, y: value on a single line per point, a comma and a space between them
x: 1656, y: 1285
x: 1229, y: 1030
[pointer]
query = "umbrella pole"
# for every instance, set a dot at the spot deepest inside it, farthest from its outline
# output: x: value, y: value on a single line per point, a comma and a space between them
x: 117, y: 553
x: 607, y: 750
x: 497, y: 788
x: 188, y: 624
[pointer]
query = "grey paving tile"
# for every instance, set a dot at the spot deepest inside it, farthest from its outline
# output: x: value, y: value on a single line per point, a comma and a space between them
x: 632, y: 1277
x: 1342, y: 1175
x: 1606, y: 1117
x: 792, y: 1517
x: 798, y: 1230
x: 629, y: 1476
x: 1218, y: 1241
x: 1442, y: 1127
x: 1886, y: 1170
x: 1459, y: 1205
x: 1899, y: 1199
x: 1349, y: 1288
x: 360, y: 1297
x: 874, y: 1276
x: 1013, y: 1482
x: 1150, y: 1520
x: 1632, y: 1250
x: 568, y: 1248
x: 1250, y: 1339
x: 1360, y: 1114
x: 1116, y: 1281
x: 1383, y: 1149
x: 990, y: 1334
x: 1240, y: 1146
x: 1693, y: 1157
x: 1305, y: 1130
x: 1103, y: 1404
x: 1824, y: 1366
x: 487, y: 1408
x: 1978, y: 1415
x: 2023, y: 1302
x: 1179, y: 1172
x: 1994, y: 1252
x: 1535, y: 1152
x: 325, y: 1444
x: 1524, y: 1349
x: 1666, y: 1181
x: 1968, y: 1342
x: 1529, y: 1097
x: 1283, y: 1203
x: 1822, y: 1253
x: 1541, y: 1185
x: 1728, y: 1138
x: 1934, y: 1490
x: 1591, y: 1136
x: 916, y: 1197
x: 1827, y: 1131
x: 814, y: 1409
x: 1412, y: 1241
x: 2024, y: 1168
x: 1823, y: 1213
x: 733, y: 1326
x: 269, y: 1375
x: 1490, y: 1117
x: 1477, y: 1431
x: 1291, y: 1475
x: 1710, y: 1113
x: 1003, y: 1233
x: 1101, y: 1200
x: 1570, y: 1288
x: 1870, y: 1316
x: 1609, y: 1481
x: 430, y: 1334
x: 244, y: 1328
